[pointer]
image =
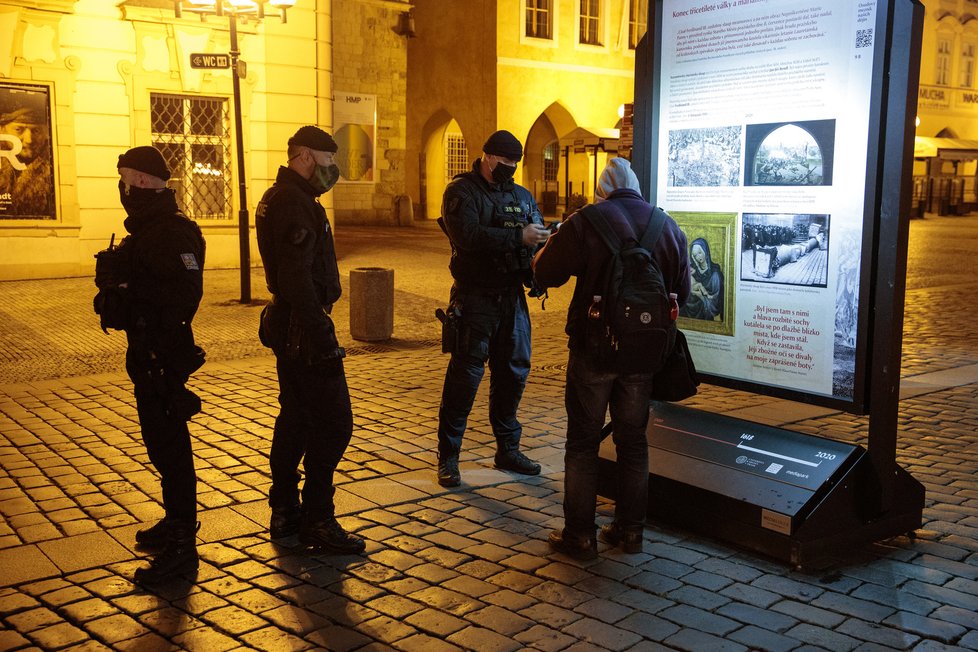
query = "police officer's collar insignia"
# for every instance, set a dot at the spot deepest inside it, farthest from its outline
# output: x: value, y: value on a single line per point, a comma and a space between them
x: 190, y: 262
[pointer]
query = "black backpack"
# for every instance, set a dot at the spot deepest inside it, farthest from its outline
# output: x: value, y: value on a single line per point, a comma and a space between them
x: 631, y: 326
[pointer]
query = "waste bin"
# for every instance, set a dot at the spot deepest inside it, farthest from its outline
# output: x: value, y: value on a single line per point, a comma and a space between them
x: 371, y: 303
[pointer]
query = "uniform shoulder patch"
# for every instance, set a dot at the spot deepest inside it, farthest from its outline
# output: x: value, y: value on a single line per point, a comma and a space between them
x: 190, y: 262
x: 298, y: 235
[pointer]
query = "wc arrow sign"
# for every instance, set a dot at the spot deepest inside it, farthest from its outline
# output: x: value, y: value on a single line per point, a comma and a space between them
x: 205, y: 60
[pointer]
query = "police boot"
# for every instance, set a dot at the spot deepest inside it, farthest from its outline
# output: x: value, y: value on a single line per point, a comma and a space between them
x: 154, y: 537
x: 179, y: 555
x: 328, y: 536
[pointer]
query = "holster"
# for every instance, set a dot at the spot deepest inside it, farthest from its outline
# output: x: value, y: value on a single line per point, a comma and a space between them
x: 451, y: 324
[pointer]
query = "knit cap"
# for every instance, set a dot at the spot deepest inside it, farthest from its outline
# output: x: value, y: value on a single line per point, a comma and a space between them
x: 502, y: 143
x: 145, y: 159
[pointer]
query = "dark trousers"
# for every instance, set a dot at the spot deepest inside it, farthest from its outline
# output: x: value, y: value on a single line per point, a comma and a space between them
x: 495, y: 328
x: 314, y: 426
x: 167, y: 441
x: 590, y: 393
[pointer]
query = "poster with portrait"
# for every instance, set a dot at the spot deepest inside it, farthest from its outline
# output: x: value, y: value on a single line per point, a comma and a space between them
x: 355, y: 132
x: 760, y: 119
x: 27, y: 188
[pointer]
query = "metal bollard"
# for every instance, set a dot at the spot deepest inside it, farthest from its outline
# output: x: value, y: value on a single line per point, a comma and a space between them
x: 371, y: 303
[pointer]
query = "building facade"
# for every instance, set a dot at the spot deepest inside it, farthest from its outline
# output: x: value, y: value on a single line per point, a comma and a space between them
x: 946, y: 152
x: 81, y: 81
x: 553, y: 72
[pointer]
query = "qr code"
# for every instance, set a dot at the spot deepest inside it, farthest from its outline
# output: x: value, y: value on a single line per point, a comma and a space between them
x: 864, y: 38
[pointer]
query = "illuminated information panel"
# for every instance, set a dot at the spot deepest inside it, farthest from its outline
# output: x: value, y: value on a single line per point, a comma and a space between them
x: 761, y: 137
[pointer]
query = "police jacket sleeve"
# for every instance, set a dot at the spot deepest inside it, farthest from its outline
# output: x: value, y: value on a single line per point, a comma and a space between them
x: 467, y: 219
x: 295, y: 244
x: 562, y: 256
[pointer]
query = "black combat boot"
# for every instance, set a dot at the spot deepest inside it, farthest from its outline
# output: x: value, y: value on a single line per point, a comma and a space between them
x: 179, y: 555
x: 327, y: 535
x: 285, y: 521
x: 154, y: 537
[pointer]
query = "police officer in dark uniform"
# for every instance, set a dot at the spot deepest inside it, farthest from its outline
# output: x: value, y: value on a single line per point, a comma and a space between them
x: 494, y: 227
x: 150, y: 286
x: 315, y: 423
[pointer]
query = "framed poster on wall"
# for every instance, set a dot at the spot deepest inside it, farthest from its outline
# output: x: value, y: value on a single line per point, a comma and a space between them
x: 355, y: 132
x: 27, y: 189
x: 763, y: 132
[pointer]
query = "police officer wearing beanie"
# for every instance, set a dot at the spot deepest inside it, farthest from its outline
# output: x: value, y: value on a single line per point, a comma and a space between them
x: 494, y: 227
x: 150, y: 285
x: 315, y: 422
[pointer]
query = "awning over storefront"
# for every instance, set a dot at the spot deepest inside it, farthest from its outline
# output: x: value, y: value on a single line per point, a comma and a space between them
x: 955, y: 149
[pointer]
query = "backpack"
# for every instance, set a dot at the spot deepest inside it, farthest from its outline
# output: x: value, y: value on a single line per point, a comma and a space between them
x: 631, y: 325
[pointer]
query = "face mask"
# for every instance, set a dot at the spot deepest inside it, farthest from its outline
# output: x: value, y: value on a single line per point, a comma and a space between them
x: 134, y: 199
x: 502, y: 172
x: 325, y: 177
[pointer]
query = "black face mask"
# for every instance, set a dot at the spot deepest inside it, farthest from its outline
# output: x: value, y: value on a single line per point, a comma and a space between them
x: 502, y: 172
x: 134, y: 199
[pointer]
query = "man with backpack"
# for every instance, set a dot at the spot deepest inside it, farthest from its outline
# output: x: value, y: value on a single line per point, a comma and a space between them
x: 632, y: 273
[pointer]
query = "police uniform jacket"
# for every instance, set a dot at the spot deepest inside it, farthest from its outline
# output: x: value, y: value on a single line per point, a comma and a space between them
x: 484, y: 222
x: 577, y: 249
x: 165, y: 253
x: 297, y: 250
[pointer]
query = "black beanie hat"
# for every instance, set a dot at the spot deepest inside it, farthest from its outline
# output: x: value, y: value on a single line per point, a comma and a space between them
x: 502, y: 143
x: 146, y: 159
x: 313, y: 138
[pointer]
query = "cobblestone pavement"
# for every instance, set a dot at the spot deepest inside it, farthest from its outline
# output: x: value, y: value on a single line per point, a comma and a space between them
x: 447, y: 570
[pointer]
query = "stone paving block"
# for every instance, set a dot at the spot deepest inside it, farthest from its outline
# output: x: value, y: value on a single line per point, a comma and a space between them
x: 878, y: 634
x: 696, y: 641
x: 896, y: 598
x: 85, y: 551
x: 602, y: 634
x: 33, y: 619
x: 932, y: 628
x: 12, y: 602
x: 943, y: 595
x: 653, y: 583
x: 477, y: 638
x: 234, y: 620
x: 11, y: 640
x: 444, y: 599
x: 963, y: 617
x: 116, y: 628
x: 551, y: 614
x: 436, y: 622
x: 58, y: 636
x: 510, y: 599
x: 822, y: 637
x: 757, y: 638
x: 25, y: 564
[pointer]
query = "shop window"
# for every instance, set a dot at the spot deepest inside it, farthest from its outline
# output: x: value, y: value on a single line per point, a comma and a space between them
x: 539, y: 19
x: 638, y: 13
x: 590, y: 25
x: 456, y: 155
x: 193, y: 133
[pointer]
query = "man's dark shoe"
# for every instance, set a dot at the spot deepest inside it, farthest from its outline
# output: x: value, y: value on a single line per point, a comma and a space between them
x: 179, y: 555
x: 448, y: 474
x: 516, y: 461
x: 329, y: 536
x: 580, y: 549
x: 630, y: 540
x: 285, y: 521
x: 154, y: 537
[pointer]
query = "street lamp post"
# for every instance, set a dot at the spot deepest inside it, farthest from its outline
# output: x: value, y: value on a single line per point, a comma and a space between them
x: 234, y: 9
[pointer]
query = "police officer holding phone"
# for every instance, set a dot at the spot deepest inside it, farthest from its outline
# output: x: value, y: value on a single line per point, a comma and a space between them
x: 494, y: 227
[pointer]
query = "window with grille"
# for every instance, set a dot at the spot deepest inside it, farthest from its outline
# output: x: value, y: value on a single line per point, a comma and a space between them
x: 456, y: 156
x: 194, y: 136
x: 590, y: 22
x: 539, y: 19
x: 943, y: 76
x: 551, y: 161
x: 638, y: 13
x: 967, y: 65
